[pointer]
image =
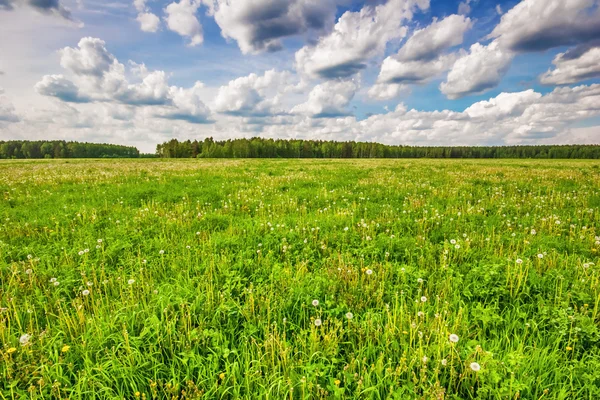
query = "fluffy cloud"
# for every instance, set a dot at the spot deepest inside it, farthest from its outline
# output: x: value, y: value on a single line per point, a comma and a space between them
x: 149, y: 22
x: 181, y: 19
x: 247, y: 96
x: 357, y: 37
x: 580, y: 63
x: 427, y: 44
x: 479, y: 70
x: 422, y: 58
x: 259, y: 25
x: 7, y: 110
x: 99, y: 77
x: 536, y: 25
x: 386, y: 91
x: 49, y: 7
x: 328, y: 100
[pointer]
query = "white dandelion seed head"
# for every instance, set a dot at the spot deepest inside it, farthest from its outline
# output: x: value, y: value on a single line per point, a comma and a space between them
x: 457, y: 246
x: 89, y: 283
x: 453, y: 338
x: 425, y: 359
x: 519, y: 261
x: 420, y: 280
x: 423, y: 299
x: 349, y: 315
x: 52, y: 280
x: 315, y: 302
x: 444, y: 362
x: 420, y: 314
x: 24, y: 339
x: 161, y: 252
x: 56, y: 283
x: 131, y: 281
x: 81, y: 253
x: 540, y: 256
x: 452, y: 241
x: 369, y: 271
x: 28, y: 271
x: 85, y: 292
x: 475, y: 367
x: 318, y: 322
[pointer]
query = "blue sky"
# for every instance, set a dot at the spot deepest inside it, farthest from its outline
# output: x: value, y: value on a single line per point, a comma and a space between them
x: 421, y: 72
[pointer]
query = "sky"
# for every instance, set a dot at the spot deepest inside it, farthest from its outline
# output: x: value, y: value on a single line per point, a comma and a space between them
x: 410, y: 72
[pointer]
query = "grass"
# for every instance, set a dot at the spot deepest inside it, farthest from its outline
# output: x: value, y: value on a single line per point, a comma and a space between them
x: 196, y: 279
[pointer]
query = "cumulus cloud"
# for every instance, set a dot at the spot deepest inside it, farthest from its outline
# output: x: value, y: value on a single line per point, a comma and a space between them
x: 328, y: 100
x: 97, y: 76
x: 479, y: 70
x: 464, y: 7
x: 181, y: 18
x: 422, y: 57
x: 577, y: 64
x: 357, y: 37
x: 259, y: 25
x: 149, y: 22
x: 386, y: 91
x: 49, y: 7
x: 7, y: 110
x: 537, y: 25
x: 247, y: 96
x: 426, y: 44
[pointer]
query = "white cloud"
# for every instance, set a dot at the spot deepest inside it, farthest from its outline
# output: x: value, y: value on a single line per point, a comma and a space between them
x: 427, y: 43
x: 422, y: 57
x: 248, y: 95
x: 48, y: 7
x: 97, y: 76
x: 149, y: 22
x: 536, y: 25
x: 7, y: 110
x: 386, y: 91
x: 181, y: 19
x: 357, y: 37
x: 329, y: 99
x: 259, y: 25
x: 464, y: 7
x: 575, y: 65
x: 479, y: 70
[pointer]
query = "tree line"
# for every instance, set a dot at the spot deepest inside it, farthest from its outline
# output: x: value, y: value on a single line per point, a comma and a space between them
x: 64, y: 149
x: 281, y: 148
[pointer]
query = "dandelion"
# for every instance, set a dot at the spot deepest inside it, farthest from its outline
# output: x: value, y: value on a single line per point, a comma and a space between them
x: 369, y: 271
x: 540, y: 256
x: 81, y: 253
x: 346, y: 229
x: 419, y: 280
x: 85, y: 292
x: 454, y: 338
x: 28, y: 271
x: 457, y: 246
x: 444, y: 362
x: 318, y: 322
x: 423, y: 299
x: 349, y: 315
x: 475, y: 367
x: 24, y: 339
x: 161, y: 252
x: 131, y: 281
x: 11, y: 350
x: 420, y: 314
x: 89, y: 283
x: 425, y: 359
x: 99, y: 241
x: 65, y: 348
x: 452, y: 241
x: 315, y: 302
x: 519, y: 261
x: 56, y: 283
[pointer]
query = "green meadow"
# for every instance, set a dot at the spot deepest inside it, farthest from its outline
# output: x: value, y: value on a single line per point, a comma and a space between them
x: 300, y: 279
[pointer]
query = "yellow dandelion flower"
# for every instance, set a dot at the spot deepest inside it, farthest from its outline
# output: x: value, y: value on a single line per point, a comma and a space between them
x: 569, y: 348
x: 337, y: 382
x: 11, y: 350
x: 222, y: 375
x: 65, y: 348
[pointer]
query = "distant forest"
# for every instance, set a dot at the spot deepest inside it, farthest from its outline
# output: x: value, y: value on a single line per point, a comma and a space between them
x: 280, y: 148
x: 269, y: 148
x: 63, y: 149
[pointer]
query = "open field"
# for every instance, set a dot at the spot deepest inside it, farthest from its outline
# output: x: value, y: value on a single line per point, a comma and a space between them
x: 198, y: 279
